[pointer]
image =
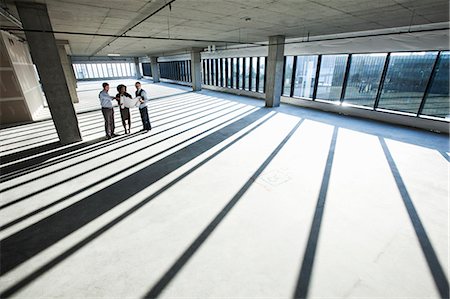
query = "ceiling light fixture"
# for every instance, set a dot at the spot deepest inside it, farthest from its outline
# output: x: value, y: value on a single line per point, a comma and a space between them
x: 113, y: 54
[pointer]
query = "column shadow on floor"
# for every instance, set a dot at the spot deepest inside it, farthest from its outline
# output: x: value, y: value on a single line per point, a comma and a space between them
x: 309, y: 256
x: 162, y: 283
x: 434, y: 265
x: 26, y: 243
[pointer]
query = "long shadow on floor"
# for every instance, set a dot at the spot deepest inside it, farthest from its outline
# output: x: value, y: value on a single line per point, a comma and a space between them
x: 25, y: 244
x: 435, y: 267
x: 48, y: 187
x: 19, y: 169
x: 43, y: 208
x: 203, y: 236
x: 30, y: 152
x: 304, y: 278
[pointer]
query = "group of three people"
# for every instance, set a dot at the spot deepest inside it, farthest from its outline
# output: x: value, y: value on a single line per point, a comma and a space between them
x: 108, y: 110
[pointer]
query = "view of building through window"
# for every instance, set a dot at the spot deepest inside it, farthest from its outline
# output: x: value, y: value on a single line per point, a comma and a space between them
x: 411, y: 82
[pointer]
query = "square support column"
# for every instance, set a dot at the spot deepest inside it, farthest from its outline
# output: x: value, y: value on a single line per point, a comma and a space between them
x: 68, y: 70
x: 196, y: 70
x: 155, y: 69
x: 275, y: 64
x: 45, y: 55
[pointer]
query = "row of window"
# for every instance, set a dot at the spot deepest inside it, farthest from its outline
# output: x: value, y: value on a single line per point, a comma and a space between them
x: 413, y: 82
x: 246, y: 73
x: 176, y: 70
x: 104, y: 70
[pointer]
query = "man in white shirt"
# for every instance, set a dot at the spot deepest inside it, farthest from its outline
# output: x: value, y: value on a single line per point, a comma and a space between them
x: 143, y: 107
x: 107, y: 110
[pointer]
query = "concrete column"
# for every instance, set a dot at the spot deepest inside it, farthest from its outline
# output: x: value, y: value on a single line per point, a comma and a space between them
x: 34, y: 16
x: 196, y: 70
x: 73, y: 71
x: 68, y: 70
x: 274, y: 79
x: 155, y: 69
x: 138, y: 70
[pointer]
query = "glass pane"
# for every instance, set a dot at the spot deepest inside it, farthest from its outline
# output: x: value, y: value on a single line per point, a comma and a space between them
x: 288, y: 75
x: 114, y: 69
x: 331, y: 77
x: 89, y: 71
x: 213, y: 71
x: 119, y: 70
x: 235, y: 72
x: 99, y: 70
x: 241, y: 73
x: 247, y: 73
x: 217, y: 74
x: 406, y: 79
x: 262, y: 67
x: 437, y: 101
x: 229, y: 77
x: 224, y: 72
x: 254, y: 65
x: 78, y: 71
x: 94, y: 69
x: 305, y: 75
x: 124, y: 69
x: 105, y: 70
x: 363, y: 78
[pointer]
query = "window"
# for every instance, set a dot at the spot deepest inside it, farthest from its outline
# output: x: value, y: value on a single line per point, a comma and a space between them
x: 304, y: 76
x: 204, y: 71
x: 229, y: 71
x: 406, y: 80
x: 288, y: 67
x: 210, y: 72
x: 364, y: 78
x: 213, y: 71
x: 253, y: 73
x: 262, y: 74
x: 241, y: 73
x: 223, y: 81
x: 437, y: 100
x: 90, y: 71
x: 217, y: 74
x: 247, y: 73
x: 235, y: 72
x: 331, y: 77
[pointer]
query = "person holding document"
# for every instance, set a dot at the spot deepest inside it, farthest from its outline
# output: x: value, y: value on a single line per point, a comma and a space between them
x: 124, y: 111
x: 143, y: 107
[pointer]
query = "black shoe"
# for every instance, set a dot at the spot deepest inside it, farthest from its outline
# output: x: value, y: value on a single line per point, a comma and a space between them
x: 108, y: 137
x: 114, y: 135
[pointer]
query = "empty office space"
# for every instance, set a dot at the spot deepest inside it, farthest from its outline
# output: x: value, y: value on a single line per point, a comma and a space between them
x: 224, y: 149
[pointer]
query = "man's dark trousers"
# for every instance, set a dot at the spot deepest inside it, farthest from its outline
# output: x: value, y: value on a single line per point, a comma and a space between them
x: 145, y: 119
x: 108, y: 114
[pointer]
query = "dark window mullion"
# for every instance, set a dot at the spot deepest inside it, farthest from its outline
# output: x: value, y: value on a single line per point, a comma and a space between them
x: 216, y: 61
x: 257, y: 74
x: 383, y: 77
x: 347, y: 71
x: 294, y: 69
x: 430, y: 81
x: 250, y: 71
x: 316, y: 79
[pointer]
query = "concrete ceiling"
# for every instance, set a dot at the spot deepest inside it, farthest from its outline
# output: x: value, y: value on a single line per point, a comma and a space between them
x: 222, y: 20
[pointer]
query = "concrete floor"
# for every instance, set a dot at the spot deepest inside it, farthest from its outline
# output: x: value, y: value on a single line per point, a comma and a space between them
x: 224, y: 199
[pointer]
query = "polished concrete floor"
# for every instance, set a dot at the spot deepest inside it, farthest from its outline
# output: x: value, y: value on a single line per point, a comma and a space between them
x: 223, y: 199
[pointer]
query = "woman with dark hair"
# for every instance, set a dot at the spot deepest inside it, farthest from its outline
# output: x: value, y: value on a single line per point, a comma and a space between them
x: 124, y: 111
